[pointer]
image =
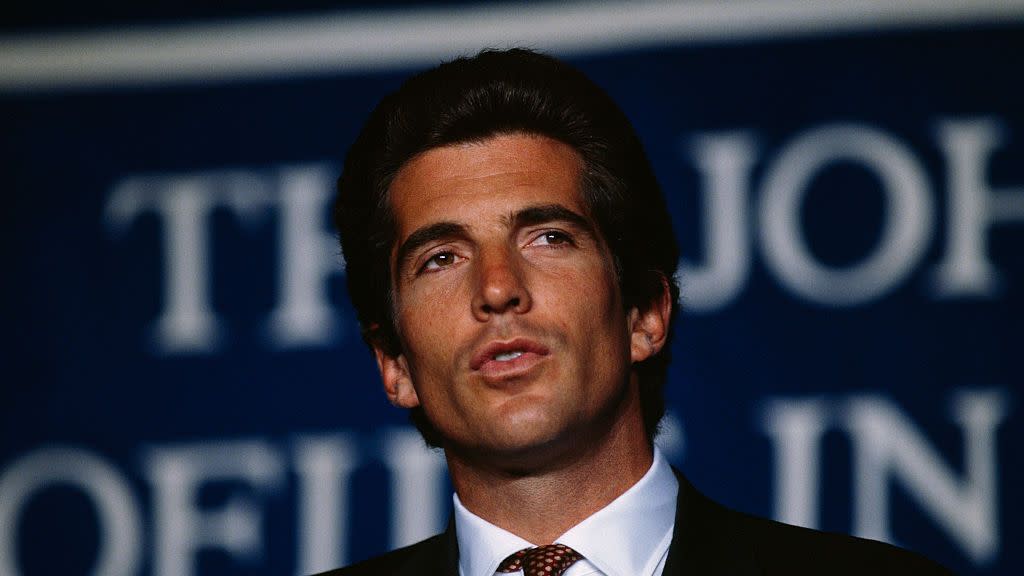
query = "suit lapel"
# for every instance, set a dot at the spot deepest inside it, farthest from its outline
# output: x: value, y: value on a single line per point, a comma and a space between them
x: 438, y: 556
x: 450, y: 562
x: 706, y: 538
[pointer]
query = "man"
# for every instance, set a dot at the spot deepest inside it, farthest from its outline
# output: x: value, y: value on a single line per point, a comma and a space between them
x: 512, y: 264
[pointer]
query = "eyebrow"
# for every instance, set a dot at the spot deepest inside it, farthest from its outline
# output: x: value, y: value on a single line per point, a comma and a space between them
x: 426, y: 235
x: 529, y: 216
x: 533, y: 215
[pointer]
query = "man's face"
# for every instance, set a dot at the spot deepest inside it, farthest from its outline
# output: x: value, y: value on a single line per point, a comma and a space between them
x: 514, y: 337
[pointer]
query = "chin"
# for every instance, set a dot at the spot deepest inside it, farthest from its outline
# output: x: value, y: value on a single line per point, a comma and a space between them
x: 527, y: 444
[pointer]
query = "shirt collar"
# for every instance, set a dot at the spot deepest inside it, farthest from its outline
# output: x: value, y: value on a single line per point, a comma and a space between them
x: 625, y: 538
x: 482, y: 545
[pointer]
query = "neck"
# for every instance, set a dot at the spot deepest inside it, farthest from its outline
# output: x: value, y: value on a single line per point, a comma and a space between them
x: 540, y: 502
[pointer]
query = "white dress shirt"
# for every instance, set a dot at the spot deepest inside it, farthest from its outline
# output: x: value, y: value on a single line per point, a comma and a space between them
x: 628, y: 537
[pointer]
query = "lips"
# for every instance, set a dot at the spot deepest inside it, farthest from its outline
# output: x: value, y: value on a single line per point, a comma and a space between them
x: 500, y: 358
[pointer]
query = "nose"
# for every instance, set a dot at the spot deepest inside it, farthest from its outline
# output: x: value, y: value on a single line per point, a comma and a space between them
x: 501, y: 285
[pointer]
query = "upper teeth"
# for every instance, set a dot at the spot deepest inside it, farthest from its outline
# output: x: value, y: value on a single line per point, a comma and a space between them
x: 506, y: 356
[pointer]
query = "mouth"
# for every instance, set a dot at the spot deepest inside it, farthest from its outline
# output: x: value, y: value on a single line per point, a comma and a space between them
x: 506, y: 359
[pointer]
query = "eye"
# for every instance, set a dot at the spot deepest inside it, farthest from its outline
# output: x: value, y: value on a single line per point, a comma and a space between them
x: 439, y: 261
x: 552, y: 238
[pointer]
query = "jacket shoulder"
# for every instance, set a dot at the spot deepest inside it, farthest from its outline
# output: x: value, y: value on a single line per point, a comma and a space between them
x: 785, y: 549
x: 713, y: 539
x: 417, y: 559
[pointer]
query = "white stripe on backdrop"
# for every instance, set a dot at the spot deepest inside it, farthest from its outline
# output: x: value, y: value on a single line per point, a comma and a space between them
x: 341, y: 42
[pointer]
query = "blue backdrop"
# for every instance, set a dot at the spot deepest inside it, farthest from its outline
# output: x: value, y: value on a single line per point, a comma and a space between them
x: 186, y: 390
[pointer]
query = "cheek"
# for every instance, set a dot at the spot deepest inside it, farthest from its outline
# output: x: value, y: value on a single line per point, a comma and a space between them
x: 589, y: 306
x: 418, y: 306
x: 427, y: 327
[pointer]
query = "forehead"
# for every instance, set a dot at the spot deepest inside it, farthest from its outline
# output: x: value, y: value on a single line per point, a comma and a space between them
x: 478, y: 181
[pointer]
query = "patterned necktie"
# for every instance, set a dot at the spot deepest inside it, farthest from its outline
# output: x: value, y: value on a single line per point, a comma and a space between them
x: 550, y: 560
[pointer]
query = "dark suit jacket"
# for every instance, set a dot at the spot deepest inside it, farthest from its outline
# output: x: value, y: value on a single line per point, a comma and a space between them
x: 708, y: 539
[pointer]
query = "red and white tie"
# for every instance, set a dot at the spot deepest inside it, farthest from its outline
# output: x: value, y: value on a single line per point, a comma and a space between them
x: 549, y: 560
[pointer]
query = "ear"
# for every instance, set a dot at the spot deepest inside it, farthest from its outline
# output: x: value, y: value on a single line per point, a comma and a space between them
x: 649, y: 326
x: 394, y: 371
